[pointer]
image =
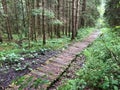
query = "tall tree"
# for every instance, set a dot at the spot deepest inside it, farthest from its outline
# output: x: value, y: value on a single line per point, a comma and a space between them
x: 76, y: 17
x: 73, y: 20
x: 43, y: 19
x: 43, y: 23
x: 112, y: 12
x: 8, y: 28
x: 58, y: 16
x: 83, y: 12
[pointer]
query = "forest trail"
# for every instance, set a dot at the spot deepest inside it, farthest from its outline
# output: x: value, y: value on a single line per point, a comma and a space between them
x: 56, y: 66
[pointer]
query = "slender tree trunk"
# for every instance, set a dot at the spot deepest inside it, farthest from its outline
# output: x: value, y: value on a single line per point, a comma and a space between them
x: 43, y: 26
x: 48, y: 24
x: 16, y: 17
x: 23, y: 20
x: 23, y: 13
x: 38, y: 19
x: 1, y: 40
x: 76, y: 17
x: 73, y: 20
x: 33, y: 32
x: 58, y: 16
x: 8, y: 28
x: 63, y: 28
x: 51, y: 26
x: 28, y: 5
x: 83, y: 12
x: 66, y: 16
x: 69, y: 10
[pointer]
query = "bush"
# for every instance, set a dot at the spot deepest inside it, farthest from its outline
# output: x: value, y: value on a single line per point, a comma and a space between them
x: 101, y: 71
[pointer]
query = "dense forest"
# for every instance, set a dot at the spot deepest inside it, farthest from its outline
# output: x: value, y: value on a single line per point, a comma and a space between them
x: 102, y: 59
x: 33, y: 20
x: 32, y: 31
x: 112, y: 12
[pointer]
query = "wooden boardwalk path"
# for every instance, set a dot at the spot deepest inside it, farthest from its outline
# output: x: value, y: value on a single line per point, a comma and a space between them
x: 55, y: 66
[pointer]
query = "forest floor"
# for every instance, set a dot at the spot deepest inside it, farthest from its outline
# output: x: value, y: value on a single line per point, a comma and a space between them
x: 28, y: 62
x: 77, y: 63
x: 70, y: 73
x: 15, y: 62
x: 54, y: 67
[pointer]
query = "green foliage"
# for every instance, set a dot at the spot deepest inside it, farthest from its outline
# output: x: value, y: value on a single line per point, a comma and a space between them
x: 101, y: 9
x: 84, y: 32
x: 9, y: 58
x: 101, y: 69
x: 39, y: 82
x: 56, y: 22
x: 91, y: 13
x: 117, y: 28
x: 112, y: 12
x: 70, y: 85
x: 12, y: 55
x: 47, y: 13
x: 12, y: 49
x: 29, y: 81
x: 13, y: 60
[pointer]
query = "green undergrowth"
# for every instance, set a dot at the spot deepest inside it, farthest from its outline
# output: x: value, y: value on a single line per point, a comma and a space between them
x: 54, y: 44
x: 29, y: 82
x: 84, y: 32
x: 101, y: 70
x: 10, y: 51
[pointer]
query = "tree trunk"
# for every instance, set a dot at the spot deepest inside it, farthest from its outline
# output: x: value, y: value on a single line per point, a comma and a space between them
x: 43, y: 26
x: 69, y: 28
x: 76, y: 18
x: 9, y: 33
x: 16, y: 18
x: 1, y: 40
x: 38, y: 19
x: 23, y: 20
x: 83, y: 12
x: 58, y: 16
x: 73, y: 20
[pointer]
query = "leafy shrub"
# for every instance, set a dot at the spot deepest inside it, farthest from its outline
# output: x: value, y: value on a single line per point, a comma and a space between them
x: 101, y: 71
x: 10, y: 58
x: 29, y: 82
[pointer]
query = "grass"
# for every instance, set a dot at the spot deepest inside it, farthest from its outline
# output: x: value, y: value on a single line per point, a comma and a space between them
x: 13, y: 52
x: 84, y: 32
x: 101, y: 70
x: 54, y: 44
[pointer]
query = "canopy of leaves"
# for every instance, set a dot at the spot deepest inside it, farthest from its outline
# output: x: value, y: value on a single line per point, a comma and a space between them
x: 47, y: 13
x: 112, y: 13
